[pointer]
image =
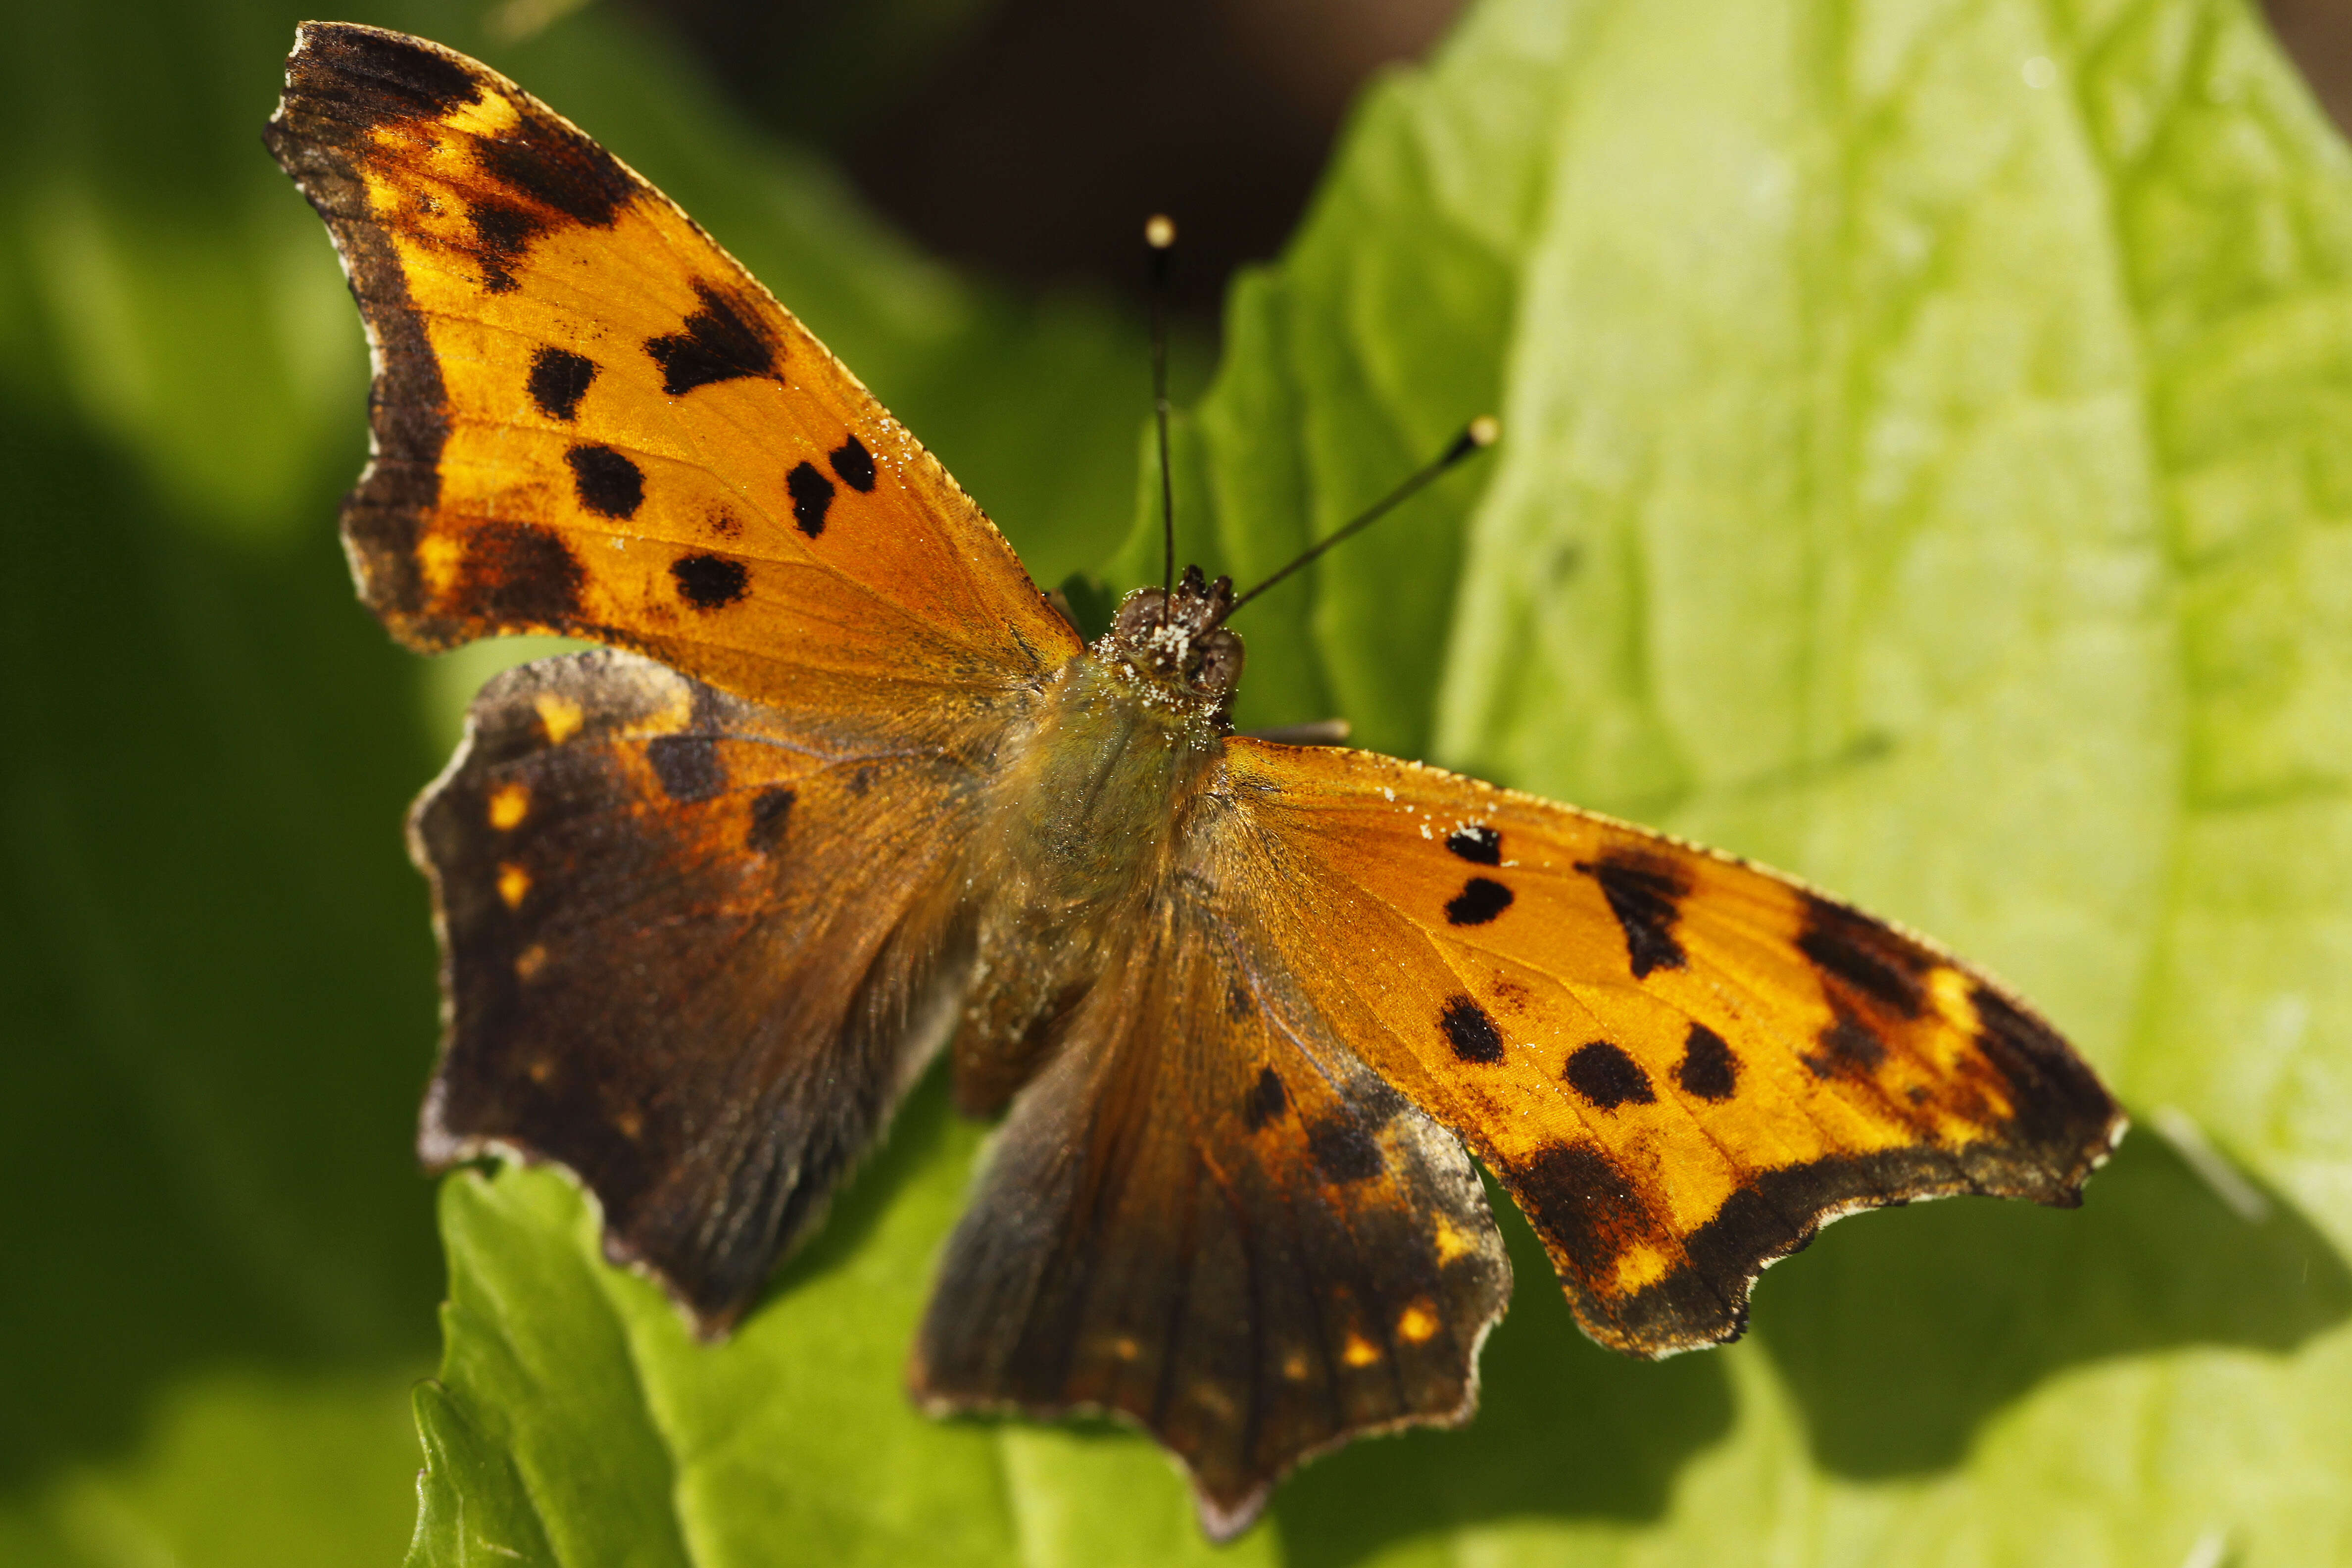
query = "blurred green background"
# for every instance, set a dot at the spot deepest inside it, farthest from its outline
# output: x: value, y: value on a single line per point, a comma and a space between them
x: 217, y: 1006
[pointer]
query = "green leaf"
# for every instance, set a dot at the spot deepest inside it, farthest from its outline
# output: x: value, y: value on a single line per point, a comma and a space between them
x: 604, y: 1494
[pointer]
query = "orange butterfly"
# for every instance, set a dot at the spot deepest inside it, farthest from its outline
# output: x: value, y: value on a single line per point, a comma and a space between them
x: 844, y: 789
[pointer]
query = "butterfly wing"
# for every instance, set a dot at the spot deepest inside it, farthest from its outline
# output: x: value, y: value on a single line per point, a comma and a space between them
x: 695, y: 952
x: 695, y: 925
x: 589, y: 419
x: 1208, y: 1217
x: 1679, y: 1063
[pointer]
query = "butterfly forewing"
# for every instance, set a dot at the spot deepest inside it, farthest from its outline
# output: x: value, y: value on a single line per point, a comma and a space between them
x: 694, y: 952
x: 589, y: 420
x: 1679, y: 1063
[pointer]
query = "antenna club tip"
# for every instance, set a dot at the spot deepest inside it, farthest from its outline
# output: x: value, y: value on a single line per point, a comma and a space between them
x: 1159, y: 231
x: 1483, y: 431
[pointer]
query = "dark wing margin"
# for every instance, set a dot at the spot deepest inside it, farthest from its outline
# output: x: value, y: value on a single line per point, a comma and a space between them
x: 1205, y: 1219
x: 694, y: 959
x: 1588, y: 1210
x: 341, y: 81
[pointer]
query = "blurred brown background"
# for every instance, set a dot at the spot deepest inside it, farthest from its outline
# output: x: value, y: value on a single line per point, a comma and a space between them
x: 2318, y: 37
x: 994, y: 132
x: 1013, y: 148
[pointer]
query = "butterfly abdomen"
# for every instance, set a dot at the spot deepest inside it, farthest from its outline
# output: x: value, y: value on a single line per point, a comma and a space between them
x: 1078, y: 839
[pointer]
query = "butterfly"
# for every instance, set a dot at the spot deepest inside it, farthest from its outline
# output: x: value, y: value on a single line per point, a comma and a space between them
x: 841, y: 791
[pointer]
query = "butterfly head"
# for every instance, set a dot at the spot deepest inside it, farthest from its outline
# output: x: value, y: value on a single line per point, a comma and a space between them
x: 1175, y: 643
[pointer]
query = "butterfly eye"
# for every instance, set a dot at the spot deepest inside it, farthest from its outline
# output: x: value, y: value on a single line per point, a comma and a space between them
x: 1220, y: 670
x: 1140, y: 610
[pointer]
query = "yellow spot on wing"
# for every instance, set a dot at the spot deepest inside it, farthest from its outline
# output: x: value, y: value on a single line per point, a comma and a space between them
x: 1418, y: 1323
x: 489, y: 115
x: 513, y: 883
x: 1949, y: 990
x: 1361, y: 1351
x: 438, y: 555
x: 530, y: 961
x: 559, y: 716
x: 1451, y: 1243
x: 508, y: 805
x: 1294, y: 1367
x: 1640, y: 1265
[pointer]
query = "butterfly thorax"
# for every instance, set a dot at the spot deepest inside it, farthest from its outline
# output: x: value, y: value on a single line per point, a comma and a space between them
x: 1087, y: 823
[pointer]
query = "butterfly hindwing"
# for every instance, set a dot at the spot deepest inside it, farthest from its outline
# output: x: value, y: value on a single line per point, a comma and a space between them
x: 1207, y: 1218
x: 1680, y: 1065
x: 589, y: 419
x: 693, y: 952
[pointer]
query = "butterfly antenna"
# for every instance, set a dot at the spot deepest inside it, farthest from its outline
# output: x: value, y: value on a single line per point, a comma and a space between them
x: 1160, y: 237
x: 1476, y: 437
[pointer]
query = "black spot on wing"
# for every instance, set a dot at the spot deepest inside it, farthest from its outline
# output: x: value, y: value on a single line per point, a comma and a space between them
x: 1480, y: 901
x: 1866, y: 955
x: 1583, y: 1206
x: 1265, y: 1101
x: 559, y: 380
x: 1846, y: 1047
x: 862, y: 780
x: 812, y: 494
x: 515, y: 572
x: 1644, y: 893
x: 1470, y: 1031
x: 1479, y: 846
x: 609, y: 484
x: 772, y: 814
x: 1344, y: 1150
x: 854, y: 463
x: 373, y: 77
x: 688, y: 766
x: 1707, y: 1069
x: 721, y: 342
x: 504, y: 233
x: 709, y: 581
x: 1607, y: 1077
x: 541, y: 158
